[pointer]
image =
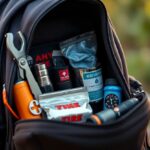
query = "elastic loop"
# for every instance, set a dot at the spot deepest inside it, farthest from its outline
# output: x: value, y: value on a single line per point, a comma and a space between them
x: 97, y: 120
x: 5, y: 101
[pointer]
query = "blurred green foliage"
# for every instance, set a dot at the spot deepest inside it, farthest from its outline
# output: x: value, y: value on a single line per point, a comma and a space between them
x: 131, y: 19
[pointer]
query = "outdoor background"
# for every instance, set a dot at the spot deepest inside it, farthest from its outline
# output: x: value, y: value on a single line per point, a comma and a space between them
x: 131, y: 19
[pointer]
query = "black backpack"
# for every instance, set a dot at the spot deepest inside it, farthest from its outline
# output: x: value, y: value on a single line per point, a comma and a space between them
x: 44, y: 24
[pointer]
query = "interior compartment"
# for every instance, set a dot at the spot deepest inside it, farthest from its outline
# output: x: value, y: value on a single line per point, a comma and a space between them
x: 68, y: 20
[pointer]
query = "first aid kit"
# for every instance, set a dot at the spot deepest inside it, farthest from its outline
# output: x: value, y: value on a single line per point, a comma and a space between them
x: 65, y: 80
x: 68, y: 106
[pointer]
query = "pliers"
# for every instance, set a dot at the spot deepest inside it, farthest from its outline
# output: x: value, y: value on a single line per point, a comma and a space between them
x: 21, y: 58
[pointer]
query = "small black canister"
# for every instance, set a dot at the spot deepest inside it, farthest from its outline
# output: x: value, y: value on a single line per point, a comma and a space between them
x: 61, y: 73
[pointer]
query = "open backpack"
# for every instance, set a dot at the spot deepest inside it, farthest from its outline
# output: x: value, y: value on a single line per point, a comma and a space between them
x: 46, y: 28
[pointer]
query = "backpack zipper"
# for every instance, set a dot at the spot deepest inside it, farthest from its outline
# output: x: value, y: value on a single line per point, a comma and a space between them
x: 137, y: 89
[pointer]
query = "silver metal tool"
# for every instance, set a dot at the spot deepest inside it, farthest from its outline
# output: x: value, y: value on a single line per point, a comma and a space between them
x: 43, y: 78
x: 23, y: 65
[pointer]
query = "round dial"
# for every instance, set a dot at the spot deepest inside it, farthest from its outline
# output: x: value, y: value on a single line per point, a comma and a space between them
x: 111, y: 101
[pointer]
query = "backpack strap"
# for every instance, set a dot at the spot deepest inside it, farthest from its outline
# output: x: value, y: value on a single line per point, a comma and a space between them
x: 11, y: 9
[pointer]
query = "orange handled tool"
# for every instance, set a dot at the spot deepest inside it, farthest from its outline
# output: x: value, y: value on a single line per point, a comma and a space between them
x: 27, y: 107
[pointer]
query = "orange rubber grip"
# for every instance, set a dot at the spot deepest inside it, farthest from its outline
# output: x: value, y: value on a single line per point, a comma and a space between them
x: 23, y: 99
x: 97, y: 120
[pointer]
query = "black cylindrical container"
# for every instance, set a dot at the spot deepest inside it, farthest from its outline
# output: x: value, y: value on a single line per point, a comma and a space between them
x: 110, y: 115
x: 61, y: 73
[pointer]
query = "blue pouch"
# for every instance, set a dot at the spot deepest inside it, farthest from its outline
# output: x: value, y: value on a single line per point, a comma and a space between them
x: 81, y: 50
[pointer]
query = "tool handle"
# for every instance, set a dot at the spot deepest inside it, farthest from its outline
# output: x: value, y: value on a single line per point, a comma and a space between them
x: 31, y: 80
x: 27, y: 107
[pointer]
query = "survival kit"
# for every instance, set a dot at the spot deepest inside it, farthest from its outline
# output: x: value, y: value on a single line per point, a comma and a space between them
x: 64, y: 82
x: 61, y: 96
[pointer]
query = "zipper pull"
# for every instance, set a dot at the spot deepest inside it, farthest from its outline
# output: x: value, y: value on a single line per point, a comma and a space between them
x: 136, y: 88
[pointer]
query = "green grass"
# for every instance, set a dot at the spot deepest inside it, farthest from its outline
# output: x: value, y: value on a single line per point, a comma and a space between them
x: 139, y: 66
